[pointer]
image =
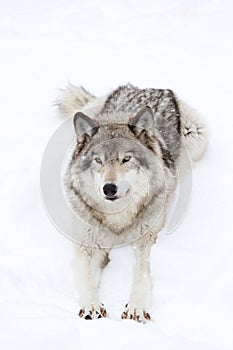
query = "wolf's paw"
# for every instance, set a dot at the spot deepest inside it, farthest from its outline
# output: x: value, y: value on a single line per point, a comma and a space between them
x: 93, y: 311
x: 135, y: 313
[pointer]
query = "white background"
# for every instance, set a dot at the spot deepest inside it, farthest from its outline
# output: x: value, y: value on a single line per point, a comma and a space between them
x: 182, y: 45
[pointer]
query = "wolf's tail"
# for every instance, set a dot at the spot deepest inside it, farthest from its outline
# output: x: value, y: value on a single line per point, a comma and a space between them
x: 74, y: 99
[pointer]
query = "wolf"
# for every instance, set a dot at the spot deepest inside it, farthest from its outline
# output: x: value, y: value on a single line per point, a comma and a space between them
x: 127, y: 160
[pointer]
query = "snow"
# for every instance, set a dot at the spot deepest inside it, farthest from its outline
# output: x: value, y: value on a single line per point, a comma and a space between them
x: 183, y: 45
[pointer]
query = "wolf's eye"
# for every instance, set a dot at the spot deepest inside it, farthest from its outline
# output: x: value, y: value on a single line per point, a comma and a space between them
x: 126, y: 159
x: 98, y: 160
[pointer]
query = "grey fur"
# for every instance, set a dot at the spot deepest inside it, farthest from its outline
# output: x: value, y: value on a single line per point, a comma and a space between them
x: 143, y: 132
x: 129, y: 99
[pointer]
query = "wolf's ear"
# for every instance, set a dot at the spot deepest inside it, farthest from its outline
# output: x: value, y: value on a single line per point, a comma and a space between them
x: 143, y: 120
x: 84, y: 125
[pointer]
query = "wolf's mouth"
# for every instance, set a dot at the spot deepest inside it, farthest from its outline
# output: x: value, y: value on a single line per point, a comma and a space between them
x: 111, y: 198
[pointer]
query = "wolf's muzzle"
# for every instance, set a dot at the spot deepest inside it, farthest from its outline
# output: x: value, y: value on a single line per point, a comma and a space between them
x: 110, y: 191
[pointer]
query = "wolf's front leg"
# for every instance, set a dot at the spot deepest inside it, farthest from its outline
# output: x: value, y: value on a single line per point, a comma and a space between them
x: 89, y: 263
x: 140, y: 297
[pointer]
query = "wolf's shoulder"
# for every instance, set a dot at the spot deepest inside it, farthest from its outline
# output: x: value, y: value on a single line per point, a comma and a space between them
x: 128, y: 99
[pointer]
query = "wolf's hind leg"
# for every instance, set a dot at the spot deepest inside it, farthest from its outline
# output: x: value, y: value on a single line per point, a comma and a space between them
x: 194, y: 132
x: 89, y: 263
x: 140, y: 296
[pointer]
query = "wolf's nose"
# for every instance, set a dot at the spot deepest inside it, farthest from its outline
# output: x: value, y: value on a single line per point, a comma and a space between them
x: 110, y: 190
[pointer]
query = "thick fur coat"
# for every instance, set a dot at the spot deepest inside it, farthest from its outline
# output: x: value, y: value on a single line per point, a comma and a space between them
x: 130, y: 151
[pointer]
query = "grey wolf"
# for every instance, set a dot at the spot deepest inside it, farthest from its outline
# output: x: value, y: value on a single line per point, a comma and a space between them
x: 123, y: 170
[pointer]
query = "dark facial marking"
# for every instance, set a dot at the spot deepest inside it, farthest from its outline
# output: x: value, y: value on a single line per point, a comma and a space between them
x: 85, y: 163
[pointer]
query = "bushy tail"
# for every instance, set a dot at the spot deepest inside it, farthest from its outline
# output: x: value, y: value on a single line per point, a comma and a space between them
x: 73, y: 99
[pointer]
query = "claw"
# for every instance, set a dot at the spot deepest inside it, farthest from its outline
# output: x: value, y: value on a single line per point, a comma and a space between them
x: 138, y: 315
x: 124, y: 315
x: 81, y: 313
x: 103, y: 312
x: 146, y: 315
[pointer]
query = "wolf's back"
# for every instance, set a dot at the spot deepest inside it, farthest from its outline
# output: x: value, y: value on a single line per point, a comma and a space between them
x: 174, y: 118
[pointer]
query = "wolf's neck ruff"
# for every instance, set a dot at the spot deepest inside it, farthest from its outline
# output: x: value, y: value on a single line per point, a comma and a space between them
x: 149, y: 190
x: 123, y: 220
x: 124, y: 215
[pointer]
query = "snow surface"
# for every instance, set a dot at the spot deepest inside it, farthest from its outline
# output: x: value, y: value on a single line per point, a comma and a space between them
x: 178, y: 44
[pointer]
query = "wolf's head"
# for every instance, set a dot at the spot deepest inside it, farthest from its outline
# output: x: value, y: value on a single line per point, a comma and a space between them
x: 116, y: 169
